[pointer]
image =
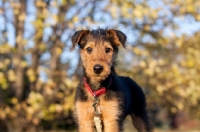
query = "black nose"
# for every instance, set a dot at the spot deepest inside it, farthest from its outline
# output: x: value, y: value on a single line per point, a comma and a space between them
x: 98, y: 68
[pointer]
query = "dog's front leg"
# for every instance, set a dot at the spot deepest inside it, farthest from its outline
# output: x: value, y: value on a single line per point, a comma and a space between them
x: 84, y: 114
x: 111, y: 125
x: 110, y: 114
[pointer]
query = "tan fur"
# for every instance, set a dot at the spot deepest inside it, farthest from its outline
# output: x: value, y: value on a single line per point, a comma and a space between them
x: 109, y: 112
x: 98, y: 56
x: 84, y: 113
x: 79, y: 38
x: 115, y: 38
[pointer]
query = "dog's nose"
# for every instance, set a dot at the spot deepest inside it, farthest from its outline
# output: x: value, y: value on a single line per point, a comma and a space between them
x: 98, y: 68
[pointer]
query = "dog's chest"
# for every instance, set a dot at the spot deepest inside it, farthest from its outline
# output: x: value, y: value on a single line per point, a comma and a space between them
x: 107, y: 108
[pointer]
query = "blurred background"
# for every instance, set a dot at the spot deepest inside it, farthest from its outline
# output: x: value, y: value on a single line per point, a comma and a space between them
x: 39, y: 74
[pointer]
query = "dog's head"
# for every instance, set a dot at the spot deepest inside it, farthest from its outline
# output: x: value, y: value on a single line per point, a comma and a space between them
x: 98, y: 50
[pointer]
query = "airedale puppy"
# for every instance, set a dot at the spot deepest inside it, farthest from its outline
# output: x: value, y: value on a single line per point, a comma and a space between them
x: 116, y: 96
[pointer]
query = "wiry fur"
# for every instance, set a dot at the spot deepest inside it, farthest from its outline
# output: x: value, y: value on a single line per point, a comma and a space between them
x: 123, y: 97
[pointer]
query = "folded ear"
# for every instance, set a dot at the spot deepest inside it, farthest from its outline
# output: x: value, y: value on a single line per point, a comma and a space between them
x: 78, y: 38
x: 117, y: 37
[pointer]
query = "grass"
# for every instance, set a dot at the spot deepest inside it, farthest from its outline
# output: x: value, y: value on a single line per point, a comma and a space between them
x: 128, y: 127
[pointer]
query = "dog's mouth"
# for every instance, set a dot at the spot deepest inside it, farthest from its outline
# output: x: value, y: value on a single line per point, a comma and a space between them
x: 99, y: 76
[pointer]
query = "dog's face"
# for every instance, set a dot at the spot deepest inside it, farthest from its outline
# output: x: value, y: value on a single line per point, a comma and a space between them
x: 98, y: 50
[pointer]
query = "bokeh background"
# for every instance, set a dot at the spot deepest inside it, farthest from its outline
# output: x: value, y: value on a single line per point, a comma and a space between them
x: 39, y: 74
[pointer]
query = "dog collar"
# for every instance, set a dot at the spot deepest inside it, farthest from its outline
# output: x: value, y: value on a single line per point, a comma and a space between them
x: 94, y: 93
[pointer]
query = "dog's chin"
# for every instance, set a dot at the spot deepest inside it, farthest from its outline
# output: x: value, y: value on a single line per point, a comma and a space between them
x: 98, y: 78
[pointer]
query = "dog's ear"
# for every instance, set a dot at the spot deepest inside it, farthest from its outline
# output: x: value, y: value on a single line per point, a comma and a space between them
x: 78, y: 38
x: 117, y: 37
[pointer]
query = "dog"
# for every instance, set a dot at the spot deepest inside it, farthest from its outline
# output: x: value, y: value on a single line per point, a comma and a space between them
x: 102, y: 94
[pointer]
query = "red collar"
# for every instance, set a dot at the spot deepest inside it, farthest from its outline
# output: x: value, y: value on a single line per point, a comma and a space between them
x: 95, y: 93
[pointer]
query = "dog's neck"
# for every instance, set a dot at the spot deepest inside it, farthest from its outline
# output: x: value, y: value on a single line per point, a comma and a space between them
x: 100, y: 84
x: 96, y: 85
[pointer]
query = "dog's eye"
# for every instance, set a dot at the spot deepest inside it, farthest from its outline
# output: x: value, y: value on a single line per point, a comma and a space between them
x: 108, y: 50
x: 89, y: 50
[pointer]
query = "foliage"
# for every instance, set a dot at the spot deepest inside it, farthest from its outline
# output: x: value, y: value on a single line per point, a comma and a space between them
x: 164, y: 60
x: 38, y: 73
x: 26, y: 98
